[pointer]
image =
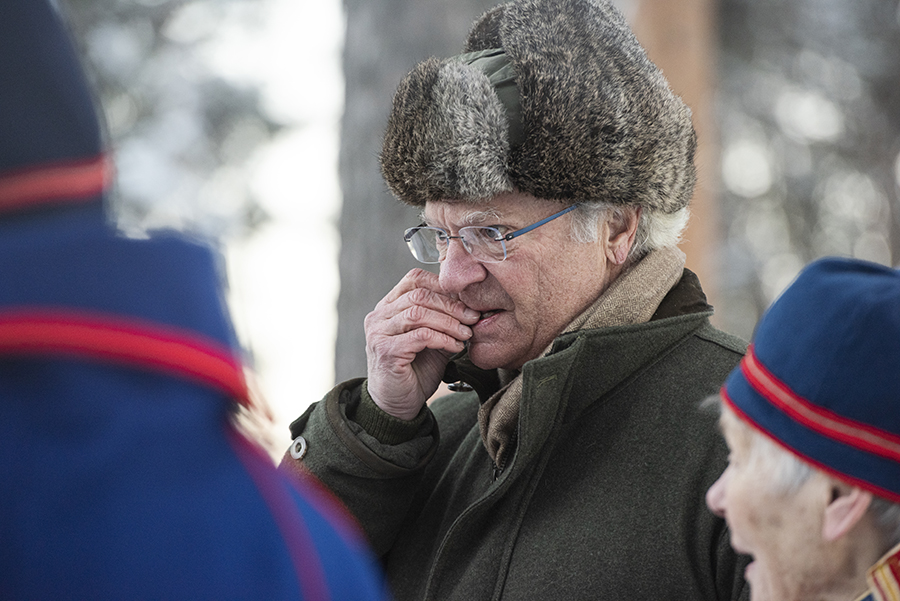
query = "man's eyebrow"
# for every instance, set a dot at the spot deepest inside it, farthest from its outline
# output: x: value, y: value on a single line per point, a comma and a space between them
x: 471, y: 218
x: 479, y: 217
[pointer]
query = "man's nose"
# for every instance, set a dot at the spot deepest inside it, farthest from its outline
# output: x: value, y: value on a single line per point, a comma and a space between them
x: 459, y: 268
x: 715, y: 496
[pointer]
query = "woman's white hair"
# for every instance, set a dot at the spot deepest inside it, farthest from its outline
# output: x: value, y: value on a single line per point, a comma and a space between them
x: 655, y: 228
x: 789, y: 472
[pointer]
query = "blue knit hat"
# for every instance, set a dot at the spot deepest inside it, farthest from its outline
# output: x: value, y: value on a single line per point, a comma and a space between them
x: 822, y: 377
x: 51, y: 150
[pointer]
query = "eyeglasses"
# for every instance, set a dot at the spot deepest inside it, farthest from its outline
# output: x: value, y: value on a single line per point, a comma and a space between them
x: 486, y: 244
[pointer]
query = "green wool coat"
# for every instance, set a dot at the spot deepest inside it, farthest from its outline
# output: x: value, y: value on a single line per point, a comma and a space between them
x: 603, y: 498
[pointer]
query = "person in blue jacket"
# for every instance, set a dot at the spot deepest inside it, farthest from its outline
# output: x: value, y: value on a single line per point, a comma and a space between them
x: 122, y: 472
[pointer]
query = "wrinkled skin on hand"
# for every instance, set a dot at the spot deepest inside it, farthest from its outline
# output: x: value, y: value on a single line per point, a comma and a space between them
x: 410, y: 336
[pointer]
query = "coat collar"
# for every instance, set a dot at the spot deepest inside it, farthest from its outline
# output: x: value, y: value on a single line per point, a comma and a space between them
x: 884, y: 578
x: 553, y: 397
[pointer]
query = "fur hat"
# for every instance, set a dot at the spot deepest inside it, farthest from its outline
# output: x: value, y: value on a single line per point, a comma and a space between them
x: 555, y: 98
x: 822, y: 377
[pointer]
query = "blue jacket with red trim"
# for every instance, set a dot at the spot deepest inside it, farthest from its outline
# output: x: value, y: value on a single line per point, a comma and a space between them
x: 123, y: 475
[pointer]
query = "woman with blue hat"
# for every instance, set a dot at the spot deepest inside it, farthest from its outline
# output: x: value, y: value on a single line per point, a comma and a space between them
x: 812, y: 420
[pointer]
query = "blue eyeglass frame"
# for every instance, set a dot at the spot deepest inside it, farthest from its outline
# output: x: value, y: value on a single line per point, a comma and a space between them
x: 538, y: 224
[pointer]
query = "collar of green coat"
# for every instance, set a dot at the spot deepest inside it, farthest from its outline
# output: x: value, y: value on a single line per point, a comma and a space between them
x: 633, y: 347
x: 554, y: 397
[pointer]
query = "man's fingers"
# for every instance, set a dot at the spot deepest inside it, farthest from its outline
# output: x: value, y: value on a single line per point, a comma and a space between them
x: 394, y: 354
x: 420, y: 287
x: 418, y: 317
x: 443, y: 303
x: 421, y: 307
x: 419, y: 321
x: 415, y: 278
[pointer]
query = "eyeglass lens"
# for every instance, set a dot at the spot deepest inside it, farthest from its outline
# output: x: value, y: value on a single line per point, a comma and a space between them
x: 429, y: 244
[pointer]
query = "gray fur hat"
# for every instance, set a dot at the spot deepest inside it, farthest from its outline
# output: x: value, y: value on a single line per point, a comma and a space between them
x: 555, y: 98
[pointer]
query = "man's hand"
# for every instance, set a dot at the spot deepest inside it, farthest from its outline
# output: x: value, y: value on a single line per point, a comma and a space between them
x: 410, y: 335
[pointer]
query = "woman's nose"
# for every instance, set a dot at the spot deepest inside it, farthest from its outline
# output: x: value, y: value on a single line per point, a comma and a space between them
x: 715, y: 496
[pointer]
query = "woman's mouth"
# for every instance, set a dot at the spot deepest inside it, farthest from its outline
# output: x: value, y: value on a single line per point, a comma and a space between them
x: 748, y: 571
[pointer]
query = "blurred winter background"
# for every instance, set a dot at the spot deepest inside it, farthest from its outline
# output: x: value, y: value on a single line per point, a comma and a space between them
x: 256, y: 124
x: 224, y: 119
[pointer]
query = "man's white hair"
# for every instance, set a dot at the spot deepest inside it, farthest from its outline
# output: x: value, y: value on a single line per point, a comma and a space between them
x: 655, y: 228
x: 789, y: 473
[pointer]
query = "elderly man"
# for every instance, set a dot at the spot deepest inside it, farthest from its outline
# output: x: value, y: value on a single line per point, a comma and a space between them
x: 812, y: 418
x: 553, y: 167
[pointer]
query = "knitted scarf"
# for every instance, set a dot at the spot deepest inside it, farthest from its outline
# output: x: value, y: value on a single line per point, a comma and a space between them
x: 631, y: 299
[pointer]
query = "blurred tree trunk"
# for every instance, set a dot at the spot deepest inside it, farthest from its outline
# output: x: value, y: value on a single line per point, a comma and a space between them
x: 680, y: 37
x: 385, y: 39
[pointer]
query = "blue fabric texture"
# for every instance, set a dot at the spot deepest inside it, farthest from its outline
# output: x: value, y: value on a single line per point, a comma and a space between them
x: 48, y: 110
x: 123, y: 476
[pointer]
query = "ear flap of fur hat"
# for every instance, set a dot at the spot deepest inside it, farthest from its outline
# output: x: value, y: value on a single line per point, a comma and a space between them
x: 599, y: 120
x: 447, y: 136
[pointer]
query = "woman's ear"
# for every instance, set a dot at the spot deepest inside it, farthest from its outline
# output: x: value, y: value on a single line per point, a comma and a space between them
x: 622, y: 225
x: 848, y: 505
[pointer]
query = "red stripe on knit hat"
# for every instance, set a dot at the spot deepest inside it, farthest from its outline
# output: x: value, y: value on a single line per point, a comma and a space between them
x: 123, y: 340
x: 852, y: 480
x: 71, y: 181
x: 824, y: 421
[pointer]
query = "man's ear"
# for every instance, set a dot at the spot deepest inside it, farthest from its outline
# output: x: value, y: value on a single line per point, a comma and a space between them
x: 848, y: 505
x: 622, y: 229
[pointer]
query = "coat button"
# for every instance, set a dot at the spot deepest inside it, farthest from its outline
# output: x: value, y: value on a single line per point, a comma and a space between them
x: 299, y: 448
